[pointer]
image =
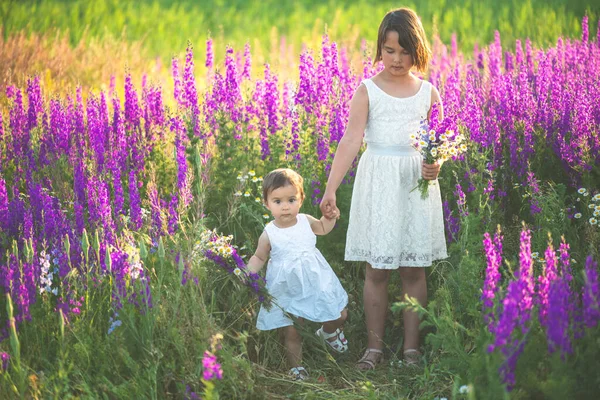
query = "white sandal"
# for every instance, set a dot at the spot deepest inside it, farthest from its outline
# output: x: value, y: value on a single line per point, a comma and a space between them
x: 339, y: 345
x: 298, y: 373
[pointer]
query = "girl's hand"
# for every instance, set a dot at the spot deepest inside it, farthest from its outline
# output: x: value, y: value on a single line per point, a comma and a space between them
x: 430, y: 172
x: 328, y: 206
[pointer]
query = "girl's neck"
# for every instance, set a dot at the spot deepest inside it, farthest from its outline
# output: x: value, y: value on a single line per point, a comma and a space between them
x: 401, y: 79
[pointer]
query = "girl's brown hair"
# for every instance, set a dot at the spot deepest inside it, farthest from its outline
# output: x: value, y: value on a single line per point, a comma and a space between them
x: 282, y: 177
x: 411, y: 36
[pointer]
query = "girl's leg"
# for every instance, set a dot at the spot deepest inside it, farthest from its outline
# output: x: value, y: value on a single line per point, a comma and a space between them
x: 375, y: 299
x: 413, y: 285
x: 293, y: 346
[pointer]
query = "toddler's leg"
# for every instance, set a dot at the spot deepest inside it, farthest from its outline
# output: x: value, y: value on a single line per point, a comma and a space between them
x: 293, y: 346
x: 413, y: 285
x: 331, y: 332
x: 331, y: 326
x: 375, y: 299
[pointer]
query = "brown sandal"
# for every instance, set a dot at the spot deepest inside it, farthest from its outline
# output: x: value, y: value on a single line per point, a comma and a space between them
x: 412, y: 357
x: 369, y: 362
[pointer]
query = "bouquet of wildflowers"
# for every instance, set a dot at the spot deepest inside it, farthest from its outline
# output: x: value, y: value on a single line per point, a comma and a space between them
x: 219, y: 250
x: 436, y: 146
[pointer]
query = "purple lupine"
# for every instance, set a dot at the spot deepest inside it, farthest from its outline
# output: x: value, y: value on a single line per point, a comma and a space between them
x: 544, y: 282
x: 132, y: 108
x: 190, y: 91
x: 452, y: 223
x: 173, y: 222
x: 525, y: 277
x: 211, y: 368
x: 209, y: 55
x: 271, y: 98
x: 4, y: 359
x: 135, y: 203
x: 492, y: 276
x: 119, y: 199
x: 558, y: 317
x: 155, y: 210
x: 34, y: 96
x: 3, y: 205
x: 105, y: 211
x: 18, y: 125
x: 585, y: 33
x: 247, y: 72
x: 591, y: 294
x: 178, y: 128
x: 461, y: 201
x: 178, y: 93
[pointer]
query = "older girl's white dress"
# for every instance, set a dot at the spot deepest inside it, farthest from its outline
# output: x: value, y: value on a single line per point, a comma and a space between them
x: 390, y: 226
x: 299, y: 278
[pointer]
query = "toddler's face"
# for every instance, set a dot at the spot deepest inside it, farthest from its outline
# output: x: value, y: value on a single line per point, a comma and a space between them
x: 396, y: 59
x: 284, y: 204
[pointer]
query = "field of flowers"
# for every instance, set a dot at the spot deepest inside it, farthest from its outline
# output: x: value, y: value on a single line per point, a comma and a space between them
x: 126, y: 218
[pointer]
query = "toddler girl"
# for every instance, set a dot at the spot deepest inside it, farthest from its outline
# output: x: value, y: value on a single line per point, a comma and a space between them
x: 302, y: 283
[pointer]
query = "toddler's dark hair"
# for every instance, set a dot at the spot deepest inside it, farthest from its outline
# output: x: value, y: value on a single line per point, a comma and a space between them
x: 282, y: 177
x: 411, y: 36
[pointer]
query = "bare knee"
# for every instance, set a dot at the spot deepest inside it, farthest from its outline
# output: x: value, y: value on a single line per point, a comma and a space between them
x: 411, y: 276
x: 343, y: 316
x: 377, y: 276
x: 291, y: 333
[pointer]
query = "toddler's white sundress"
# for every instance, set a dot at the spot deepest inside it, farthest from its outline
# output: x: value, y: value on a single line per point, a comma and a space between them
x: 390, y: 227
x: 299, y: 278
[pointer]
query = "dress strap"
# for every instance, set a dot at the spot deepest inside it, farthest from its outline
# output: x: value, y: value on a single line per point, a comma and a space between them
x: 372, y: 90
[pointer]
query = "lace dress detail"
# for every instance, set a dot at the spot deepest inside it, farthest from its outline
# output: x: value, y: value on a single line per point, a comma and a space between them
x: 299, y: 278
x: 390, y: 227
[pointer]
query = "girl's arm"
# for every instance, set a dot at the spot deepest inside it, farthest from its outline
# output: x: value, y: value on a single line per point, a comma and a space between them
x: 321, y: 226
x: 257, y: 261
x: 351, y: 142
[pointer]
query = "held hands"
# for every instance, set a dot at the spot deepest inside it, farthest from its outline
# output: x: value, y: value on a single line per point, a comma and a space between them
x: 429, y: 172
x: 328, y: 206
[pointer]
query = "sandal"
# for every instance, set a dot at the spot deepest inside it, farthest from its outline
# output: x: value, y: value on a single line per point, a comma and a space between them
x: 370, y: 362
x: 412, y: 357
x: 298, y: 373
x: 339, y: 345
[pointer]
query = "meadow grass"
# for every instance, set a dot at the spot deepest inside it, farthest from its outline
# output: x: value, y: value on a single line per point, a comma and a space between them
x: 283, y: 27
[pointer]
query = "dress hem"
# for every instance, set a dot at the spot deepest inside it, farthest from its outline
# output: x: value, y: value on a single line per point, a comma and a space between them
x: 388, y: 266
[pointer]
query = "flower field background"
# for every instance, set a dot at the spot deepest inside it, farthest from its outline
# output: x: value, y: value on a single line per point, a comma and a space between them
x: 130, y: 199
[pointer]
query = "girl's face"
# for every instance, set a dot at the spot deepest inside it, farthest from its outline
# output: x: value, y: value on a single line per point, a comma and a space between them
x: 284, y: 204
x: 396, y: 60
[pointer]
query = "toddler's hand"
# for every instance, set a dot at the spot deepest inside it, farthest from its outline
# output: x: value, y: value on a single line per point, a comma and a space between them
x: 335, y: 214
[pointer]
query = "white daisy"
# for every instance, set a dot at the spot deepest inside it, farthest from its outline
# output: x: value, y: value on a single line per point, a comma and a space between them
x: 582, y: 190
x: 593, y: 221
x: 577, y: 215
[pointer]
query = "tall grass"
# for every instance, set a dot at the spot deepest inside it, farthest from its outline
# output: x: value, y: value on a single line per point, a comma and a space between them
x: 164, y: 26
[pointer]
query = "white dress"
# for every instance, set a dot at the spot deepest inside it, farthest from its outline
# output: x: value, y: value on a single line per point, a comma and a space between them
x: 301, y: 282
x: 390, y: 227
